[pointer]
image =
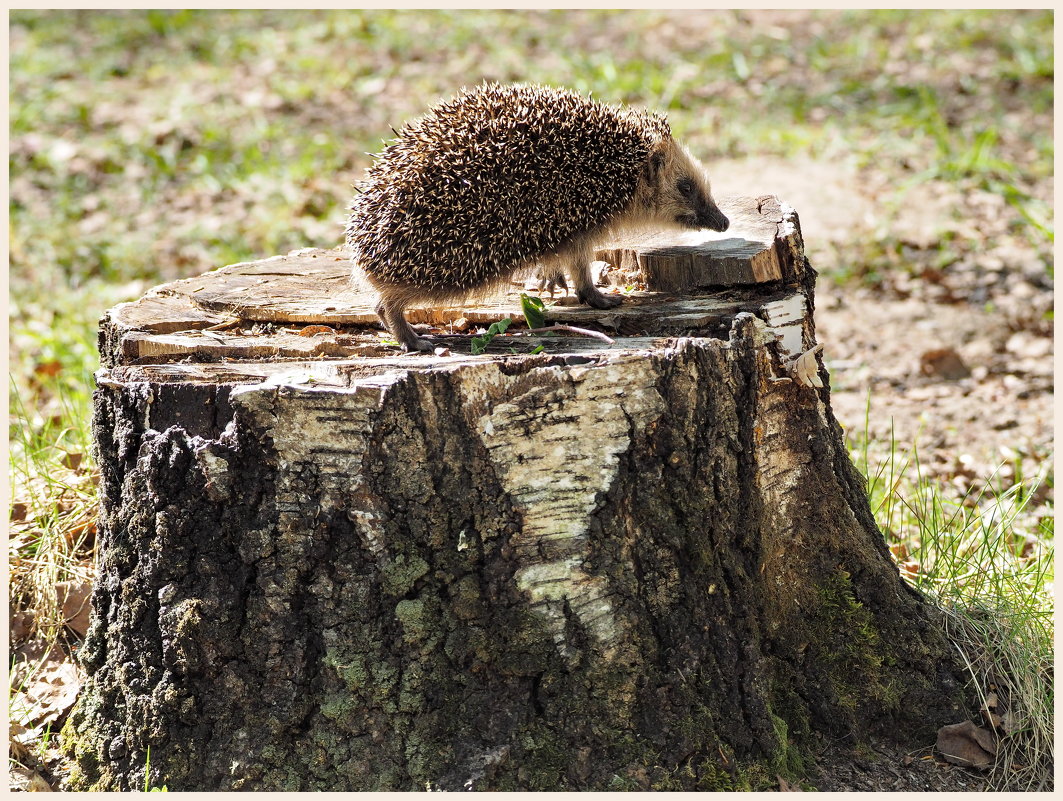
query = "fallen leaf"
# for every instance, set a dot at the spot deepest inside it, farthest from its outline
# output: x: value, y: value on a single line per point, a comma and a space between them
x: 988, y: 713
x: 73, y: 597
x: 48, y: 680
x: 786, y: 787
x: 28, y: 781
x: 18, y: 511
x: 15, y: 731
x: 943, y: 363
x: 967, y: 745
x: 314, y: 330
x: 48, y: 369
x: 21, y: 625
x: 81, y: 533
x: 910, y: 569
x: 72, y: 461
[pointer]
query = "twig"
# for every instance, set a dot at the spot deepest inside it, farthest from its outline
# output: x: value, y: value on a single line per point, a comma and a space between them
x: 232, y: 322
x: 572, y: 329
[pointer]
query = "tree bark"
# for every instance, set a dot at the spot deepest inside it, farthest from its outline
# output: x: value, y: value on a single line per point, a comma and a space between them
x: 642, y: 565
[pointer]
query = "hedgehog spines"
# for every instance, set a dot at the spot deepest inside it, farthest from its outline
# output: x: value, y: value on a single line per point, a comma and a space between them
x: 492, y: 180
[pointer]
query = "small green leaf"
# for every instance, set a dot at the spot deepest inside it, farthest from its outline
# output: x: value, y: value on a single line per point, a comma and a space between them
x: 499, y: 327
x: 538, y: 349
x: 479, y: 344
x: 533, y: 311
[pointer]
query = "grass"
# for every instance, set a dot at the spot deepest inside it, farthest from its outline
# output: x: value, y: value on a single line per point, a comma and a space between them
x: 53, y: 528
x: 152, y: 145
x: 148, y: 146
x: 984, y: 559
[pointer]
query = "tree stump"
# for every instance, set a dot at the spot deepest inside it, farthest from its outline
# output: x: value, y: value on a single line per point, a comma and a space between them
x: 327, y: 565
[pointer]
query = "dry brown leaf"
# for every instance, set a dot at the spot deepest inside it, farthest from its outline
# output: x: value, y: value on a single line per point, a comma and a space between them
x: 72, y: 461
x: 992, y: 718
x: 988, y: 710
x: 48, y: 679
x: 943, y: 363
x: 18, y: 511
x: 28, y: 781
x: 16, y: 733
x: 786, y: 787
x: 82, y: 532
x: 73, y: 597
x: 28, y: 655
x: 313, y: 330
x: 967, y: 745
x: 910, y: 569
x: 48, y: 369
x: 21, y: 626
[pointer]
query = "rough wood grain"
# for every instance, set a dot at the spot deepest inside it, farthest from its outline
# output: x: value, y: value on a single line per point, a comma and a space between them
x: 313, y: 287
x: 762, y: 244
x: 328, y: 565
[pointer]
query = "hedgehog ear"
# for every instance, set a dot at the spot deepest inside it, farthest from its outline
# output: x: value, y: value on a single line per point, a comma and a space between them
x: 654, y: 164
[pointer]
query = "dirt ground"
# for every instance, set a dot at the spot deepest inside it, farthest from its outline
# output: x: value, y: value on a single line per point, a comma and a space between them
x: 971, y: 387
x: 944, y: 321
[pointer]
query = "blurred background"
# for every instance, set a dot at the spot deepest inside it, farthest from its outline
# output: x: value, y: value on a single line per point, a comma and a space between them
x: 917, y: 148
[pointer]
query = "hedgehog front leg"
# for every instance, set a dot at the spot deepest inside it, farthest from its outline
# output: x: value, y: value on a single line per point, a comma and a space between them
x: 389, y: 310
x: 579, y: 267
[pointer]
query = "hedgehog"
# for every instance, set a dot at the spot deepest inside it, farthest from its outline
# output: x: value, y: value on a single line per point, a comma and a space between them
x: 503, y: 178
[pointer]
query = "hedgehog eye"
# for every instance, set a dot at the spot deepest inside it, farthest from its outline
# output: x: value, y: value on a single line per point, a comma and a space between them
x: 685, y: 186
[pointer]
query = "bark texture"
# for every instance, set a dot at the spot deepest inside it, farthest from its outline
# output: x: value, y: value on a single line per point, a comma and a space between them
x: 648, y: 566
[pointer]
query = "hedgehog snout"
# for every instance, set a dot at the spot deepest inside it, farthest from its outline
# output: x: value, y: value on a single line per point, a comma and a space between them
x: 714, y: 219
x: 706, y: 215
x: 709, y: 215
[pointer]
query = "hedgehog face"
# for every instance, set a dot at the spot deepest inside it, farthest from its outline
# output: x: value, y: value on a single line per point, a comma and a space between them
x: 681, y: 191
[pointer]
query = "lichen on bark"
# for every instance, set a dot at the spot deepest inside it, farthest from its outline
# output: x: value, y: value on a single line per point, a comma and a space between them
x: 644, y: 570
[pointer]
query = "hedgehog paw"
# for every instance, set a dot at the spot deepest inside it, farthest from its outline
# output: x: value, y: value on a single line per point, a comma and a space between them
x: 550, y: 282
x: 595, y: 299
x: 416, y: 344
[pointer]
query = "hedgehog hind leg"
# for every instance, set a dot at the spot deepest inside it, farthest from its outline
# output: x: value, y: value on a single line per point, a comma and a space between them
x: 579, y: 267
x: 551, y: 276
x: 389, y: 310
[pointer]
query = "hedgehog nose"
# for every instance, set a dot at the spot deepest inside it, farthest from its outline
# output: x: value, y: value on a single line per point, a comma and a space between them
x: 709, y: 216
x: 717, y: 222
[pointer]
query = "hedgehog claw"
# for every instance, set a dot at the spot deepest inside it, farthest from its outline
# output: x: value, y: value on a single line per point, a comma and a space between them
x: 418, y: 344
x: 596, y: 300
